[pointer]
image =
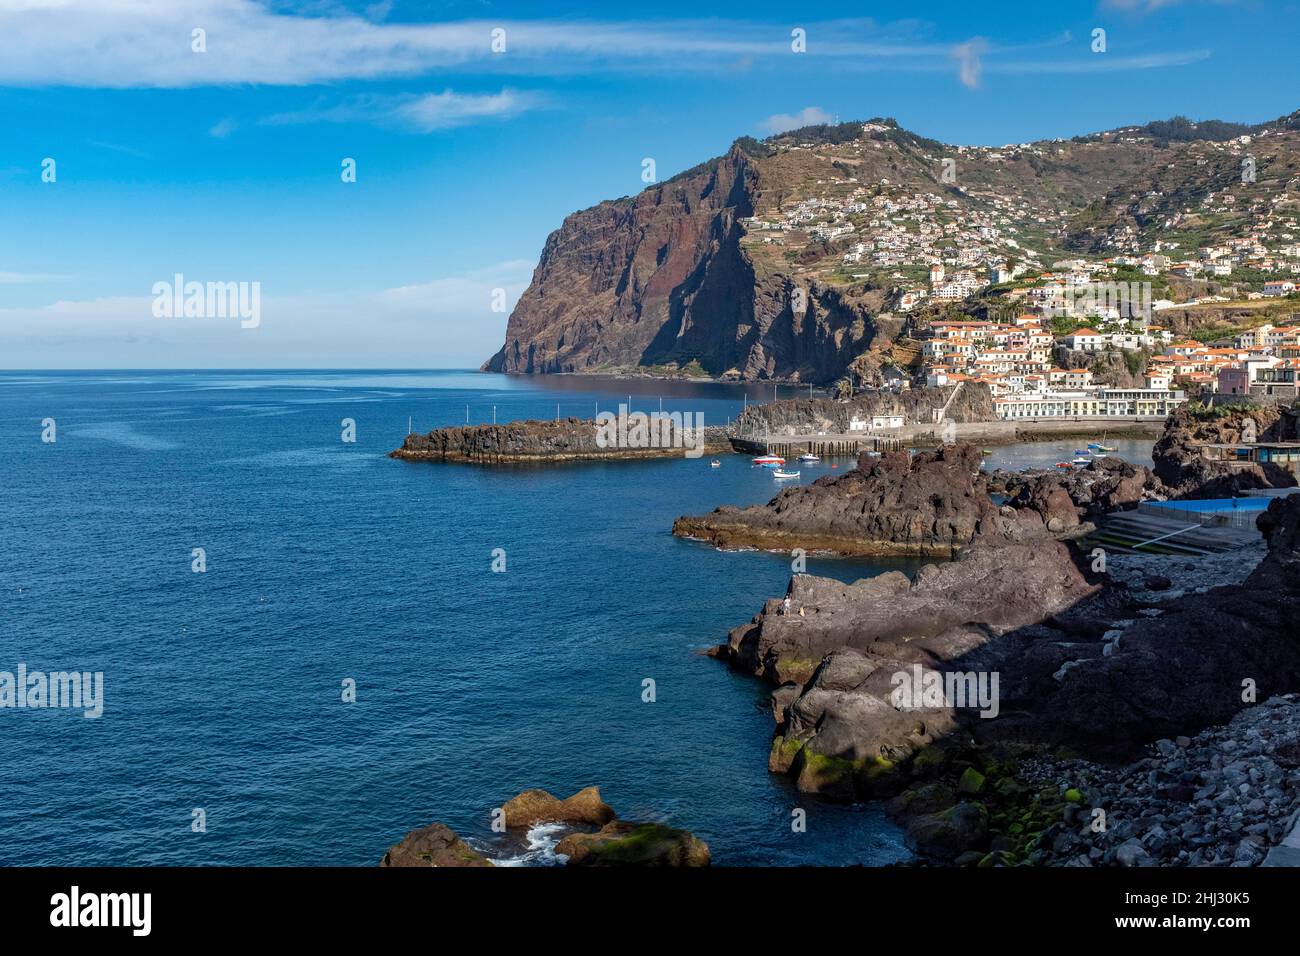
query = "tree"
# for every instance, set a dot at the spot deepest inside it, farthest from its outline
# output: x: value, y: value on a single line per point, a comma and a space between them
x: 844, y: 388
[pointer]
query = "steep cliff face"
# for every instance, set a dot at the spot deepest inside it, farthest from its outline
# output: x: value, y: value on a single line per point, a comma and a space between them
x: 661, y: 279
x: 778, y: 259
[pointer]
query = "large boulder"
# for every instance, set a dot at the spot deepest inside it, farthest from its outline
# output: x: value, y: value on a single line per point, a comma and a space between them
x: 1187, y: 473
x: 1104, y: 485
x: 537, y: 806
x: 434, y: 845
x: 996, y: 588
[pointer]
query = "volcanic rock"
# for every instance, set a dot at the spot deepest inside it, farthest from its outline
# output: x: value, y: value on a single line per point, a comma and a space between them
x: 1185, y: 471
x: 932, y: 503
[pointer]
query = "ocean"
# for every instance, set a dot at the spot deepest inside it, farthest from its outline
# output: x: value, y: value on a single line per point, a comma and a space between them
x: 225, y: 737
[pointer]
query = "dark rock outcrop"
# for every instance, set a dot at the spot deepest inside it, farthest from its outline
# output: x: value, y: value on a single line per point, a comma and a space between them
x: 1205, y: 657
x: 932, y: 503
x: 1103, y: 485
x: 1077, y: 663
x: 532, y: 440
x: 993, y: 590
x: 1187, y: 473
x: 434, y: 845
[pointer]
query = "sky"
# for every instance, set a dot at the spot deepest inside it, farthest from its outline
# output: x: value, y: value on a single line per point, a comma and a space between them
x: 134, y: 149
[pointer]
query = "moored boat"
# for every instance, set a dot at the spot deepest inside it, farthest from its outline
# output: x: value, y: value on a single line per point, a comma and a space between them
x: 810, y: 458
x: 785, y: 474
x: 768, y: 460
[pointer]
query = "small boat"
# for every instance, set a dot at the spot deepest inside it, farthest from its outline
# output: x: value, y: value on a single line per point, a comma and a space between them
x: 1064, y: 464
x: 1081, y: 452
x: 810, y: 458
x: 1106, y: 449
x: 1081, y: 460
x: 986, y: 453
x: 769, y: 460
x: 785, y: 474
x: 715, y: 464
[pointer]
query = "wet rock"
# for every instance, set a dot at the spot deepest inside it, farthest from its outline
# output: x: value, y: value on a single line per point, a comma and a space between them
x: 634, y: 844
x: 537, y: 806
x: 434, y: 845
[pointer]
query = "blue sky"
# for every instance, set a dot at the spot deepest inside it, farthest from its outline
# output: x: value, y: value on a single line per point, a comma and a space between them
x: 224, y: 165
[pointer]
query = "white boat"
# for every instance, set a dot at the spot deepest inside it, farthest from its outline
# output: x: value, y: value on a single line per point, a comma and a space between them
x: 810, y: 458
x: 785, y: 474
x: 768, y: 460
x: 715, y: 464
x: 1081, y: 460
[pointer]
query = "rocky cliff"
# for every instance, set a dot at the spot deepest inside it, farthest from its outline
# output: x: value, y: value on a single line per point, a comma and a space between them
x: 774, y: 260
x: 661, y: 279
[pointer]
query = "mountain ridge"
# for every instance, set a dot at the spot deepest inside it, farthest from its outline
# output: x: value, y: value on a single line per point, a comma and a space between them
x: 743, y: 266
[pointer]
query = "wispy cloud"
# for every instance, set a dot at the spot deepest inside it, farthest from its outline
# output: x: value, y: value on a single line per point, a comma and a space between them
x: 223, y: 128
x: 119, y: 148
x: 784, y: 122
x: 420, y: 113
x: 142, y: 44
x: 1103, y: 64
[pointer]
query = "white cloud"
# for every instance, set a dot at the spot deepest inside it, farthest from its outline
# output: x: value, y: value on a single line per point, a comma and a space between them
x: 223, y: 128
x: 784, y: 122
x: 140, y: 43
x: 969, y: 65
x: 421, y: 113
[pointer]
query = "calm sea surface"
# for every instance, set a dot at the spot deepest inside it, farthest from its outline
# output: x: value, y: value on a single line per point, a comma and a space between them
x: 328, y: 562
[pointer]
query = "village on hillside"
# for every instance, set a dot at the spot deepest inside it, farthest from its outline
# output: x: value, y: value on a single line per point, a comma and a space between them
x: 986, y: 299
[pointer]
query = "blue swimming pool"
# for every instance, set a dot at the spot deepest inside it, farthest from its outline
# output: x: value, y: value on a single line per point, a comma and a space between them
x: 1217, y: 504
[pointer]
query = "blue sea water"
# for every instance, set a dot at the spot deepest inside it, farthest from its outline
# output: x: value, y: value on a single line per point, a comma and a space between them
x: 327, y: 561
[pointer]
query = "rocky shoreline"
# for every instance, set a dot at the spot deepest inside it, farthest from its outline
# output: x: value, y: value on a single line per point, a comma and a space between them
x: 1023, y: 703
x: 931, y: 504
x: 1095, y: 664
